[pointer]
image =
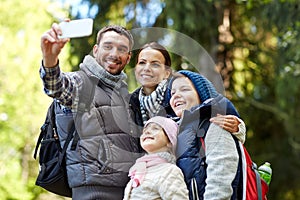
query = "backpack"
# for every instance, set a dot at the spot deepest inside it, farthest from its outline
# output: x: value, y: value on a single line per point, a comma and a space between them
x: 251, y: 185
x: 52, y: 174
x: 254, y: 187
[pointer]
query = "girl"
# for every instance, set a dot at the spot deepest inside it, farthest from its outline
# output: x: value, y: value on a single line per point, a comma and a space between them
x: 155, y: 175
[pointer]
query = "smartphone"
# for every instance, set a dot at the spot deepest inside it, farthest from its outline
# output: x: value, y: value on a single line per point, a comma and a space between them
x: 76, y: 28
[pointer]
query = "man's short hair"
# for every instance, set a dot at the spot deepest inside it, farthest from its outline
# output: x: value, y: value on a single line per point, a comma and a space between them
x: 118, y: 29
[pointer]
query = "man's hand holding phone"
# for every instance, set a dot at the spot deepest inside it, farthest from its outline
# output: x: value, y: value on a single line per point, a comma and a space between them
x: 55, y: 39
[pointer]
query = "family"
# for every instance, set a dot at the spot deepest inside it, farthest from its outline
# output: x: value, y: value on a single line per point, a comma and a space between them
x: 172, y: 138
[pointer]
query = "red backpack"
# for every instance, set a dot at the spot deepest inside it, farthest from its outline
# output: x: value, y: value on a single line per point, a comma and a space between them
x: 254, y: 187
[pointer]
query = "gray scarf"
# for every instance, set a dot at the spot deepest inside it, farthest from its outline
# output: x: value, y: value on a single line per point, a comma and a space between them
x: 114, y: 81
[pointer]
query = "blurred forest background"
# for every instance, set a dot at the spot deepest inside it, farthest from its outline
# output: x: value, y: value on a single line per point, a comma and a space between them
x: 254, y: 45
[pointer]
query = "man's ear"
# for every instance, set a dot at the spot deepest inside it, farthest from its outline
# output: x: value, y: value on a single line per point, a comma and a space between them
x: 95, y: 50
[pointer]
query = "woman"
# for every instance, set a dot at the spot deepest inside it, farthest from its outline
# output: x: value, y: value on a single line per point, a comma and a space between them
x: 153, y: 72
x: 206, y: 153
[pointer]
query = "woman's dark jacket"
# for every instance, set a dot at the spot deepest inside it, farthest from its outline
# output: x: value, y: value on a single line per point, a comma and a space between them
x: 134, y: 104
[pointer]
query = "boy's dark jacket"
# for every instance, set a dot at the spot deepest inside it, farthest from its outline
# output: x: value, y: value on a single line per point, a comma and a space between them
x: 190, y: 155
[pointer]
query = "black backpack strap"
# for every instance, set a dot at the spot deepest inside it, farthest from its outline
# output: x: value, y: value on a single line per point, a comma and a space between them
x: 49, y: 121
x: 66, y: 144
x: 75, y: 141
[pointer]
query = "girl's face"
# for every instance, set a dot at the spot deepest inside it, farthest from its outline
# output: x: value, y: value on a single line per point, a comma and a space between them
x: 154, y: 139
x: 150, y: 69
x: 183, y: 95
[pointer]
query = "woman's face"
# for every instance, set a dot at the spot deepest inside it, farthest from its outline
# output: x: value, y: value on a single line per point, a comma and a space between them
x: 150, y: 69
x: 154, y: 139
x: 183, y: 95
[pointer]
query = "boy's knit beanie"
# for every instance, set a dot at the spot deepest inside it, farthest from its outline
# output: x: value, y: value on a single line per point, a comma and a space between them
x: 170, y: 127
x: 204, y: 87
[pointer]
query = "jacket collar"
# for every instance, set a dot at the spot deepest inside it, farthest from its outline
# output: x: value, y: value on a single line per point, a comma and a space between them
x: 211, y: 107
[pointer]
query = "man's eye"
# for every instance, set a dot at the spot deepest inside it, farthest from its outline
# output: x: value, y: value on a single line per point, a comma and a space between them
x: 107, y: 47
x: 122, y: 50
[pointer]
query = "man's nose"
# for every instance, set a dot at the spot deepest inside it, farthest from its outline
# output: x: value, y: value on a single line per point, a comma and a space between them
x: 114, y: 51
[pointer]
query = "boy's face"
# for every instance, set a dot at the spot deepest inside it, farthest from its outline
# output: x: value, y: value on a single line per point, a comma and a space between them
x: 154, y: 139
x: 112, y: 52
x: 183, y: 95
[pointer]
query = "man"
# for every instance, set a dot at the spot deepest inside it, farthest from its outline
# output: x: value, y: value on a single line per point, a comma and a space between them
x: 98, y: 167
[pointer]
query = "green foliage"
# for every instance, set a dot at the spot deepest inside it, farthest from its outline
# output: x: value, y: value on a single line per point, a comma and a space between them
x: 266, y: 80
x: 260, y: 68
x: 22, y: 102
x: 194, y: 19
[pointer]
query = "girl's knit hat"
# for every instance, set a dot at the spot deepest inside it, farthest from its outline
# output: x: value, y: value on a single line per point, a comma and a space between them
x: 170, y: 127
